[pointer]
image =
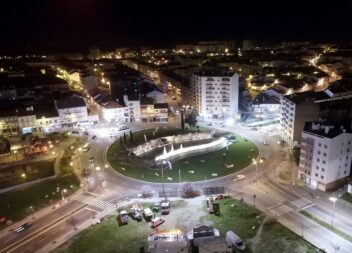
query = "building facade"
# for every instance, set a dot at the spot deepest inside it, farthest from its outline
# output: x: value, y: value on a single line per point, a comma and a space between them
x: 326, y: 155
x: 216, y: 93
x: 296, y: 109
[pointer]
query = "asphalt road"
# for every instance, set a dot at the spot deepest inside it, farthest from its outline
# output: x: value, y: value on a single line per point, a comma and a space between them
x: 109, y: 187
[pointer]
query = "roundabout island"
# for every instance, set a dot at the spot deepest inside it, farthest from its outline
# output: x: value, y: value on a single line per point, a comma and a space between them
x: 174, y: 155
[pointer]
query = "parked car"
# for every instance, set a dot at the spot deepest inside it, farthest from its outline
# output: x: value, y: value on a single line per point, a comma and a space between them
x: 156, y: 207
x: 235, y: 240
x: 124, y: 217
x: 91, y: 158
x: 148, y: 214
x: 136, y: 215
x: 165, y: 207
x: 157, y: 222
x: 209, y: 124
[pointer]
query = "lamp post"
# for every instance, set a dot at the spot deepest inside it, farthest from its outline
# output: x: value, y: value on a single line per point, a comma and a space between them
x: 162, y: 174
x: 254, y: 161
x: 333, y: 199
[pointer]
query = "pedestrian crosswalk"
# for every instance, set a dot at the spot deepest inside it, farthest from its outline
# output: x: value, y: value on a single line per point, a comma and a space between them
x: 301, y: 203
x: 295, y: 205
x: 281, y: 209
x: 94, y: 202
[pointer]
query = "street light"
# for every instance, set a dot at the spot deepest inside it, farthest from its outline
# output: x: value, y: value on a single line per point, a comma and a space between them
x: 162, y: 174
x: 62, y: 194
x: 254, y: 161
x: 333, y: 199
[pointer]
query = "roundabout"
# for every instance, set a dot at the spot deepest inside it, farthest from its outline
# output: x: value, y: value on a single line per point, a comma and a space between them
x: 142, y: 155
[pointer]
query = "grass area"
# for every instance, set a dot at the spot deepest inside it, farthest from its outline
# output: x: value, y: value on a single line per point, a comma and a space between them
x: 194, y: 168
x: 275, y: 238
x: 267, y: 236
x: 15, y: 205
x: 238, y: 217
x: 347, y: 196
x: 327, y: 225
x: 31, y: 170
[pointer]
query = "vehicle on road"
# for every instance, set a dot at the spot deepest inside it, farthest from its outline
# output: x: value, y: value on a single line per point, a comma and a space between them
x: 121, y: 128
x: 209, y: 124
x: 173, y: 98
x: 91, y: 158
x: 156, y: 206
x: 94, y: 137
x: 123, y: 217
x: 239, y: 177
x: 235, y: 240
x: 148, y: 214
x: 2, y: 219
x: 23, y: 227
x: 265, y: 142
x: 86, y: 147
x: 157, y: 222
x: 165, y: 207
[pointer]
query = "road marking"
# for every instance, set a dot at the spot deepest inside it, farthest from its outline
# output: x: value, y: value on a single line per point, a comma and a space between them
x: 37, y: 233
x: 301, y: 203
x: 92, y: 193
x: 89, y: 209
x: 281, y: 209
x: 95, y: 202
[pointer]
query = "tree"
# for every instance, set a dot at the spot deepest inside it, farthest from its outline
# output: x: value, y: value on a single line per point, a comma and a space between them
x: 182, y: 121
x: 191, y: 119
x: 124, y: 138
x: 131, y: 137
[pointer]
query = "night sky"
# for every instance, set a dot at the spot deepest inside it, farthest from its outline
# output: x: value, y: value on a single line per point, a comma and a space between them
x: 75, y: 25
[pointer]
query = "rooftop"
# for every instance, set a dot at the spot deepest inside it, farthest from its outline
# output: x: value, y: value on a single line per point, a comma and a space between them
x: 214, y: 72
x: 70, y: 103
x: 326, y: 130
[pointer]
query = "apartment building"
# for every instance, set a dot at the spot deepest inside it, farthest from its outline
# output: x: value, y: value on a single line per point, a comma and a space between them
x: 326, y: 155
x: 216, y: 92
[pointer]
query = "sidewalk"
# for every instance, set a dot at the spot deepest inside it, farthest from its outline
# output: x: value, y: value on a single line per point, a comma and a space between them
x: 319, y: 236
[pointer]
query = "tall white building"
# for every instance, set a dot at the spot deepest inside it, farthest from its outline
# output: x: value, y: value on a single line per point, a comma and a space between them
x: 216, y: 92
x: 326, y: 155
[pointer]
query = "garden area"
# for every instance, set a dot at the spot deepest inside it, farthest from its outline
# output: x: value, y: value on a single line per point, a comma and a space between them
x: 218, y: 163
x: 18, y: 174
x: 260, y: 234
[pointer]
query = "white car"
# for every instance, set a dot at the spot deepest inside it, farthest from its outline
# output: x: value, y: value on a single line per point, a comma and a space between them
x: 157, y: 222
x: 239, y: 177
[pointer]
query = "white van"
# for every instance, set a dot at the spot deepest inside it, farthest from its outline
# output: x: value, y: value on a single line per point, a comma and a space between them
x: 148, y: 214
x: 235, y: 240
x: 86, y: 147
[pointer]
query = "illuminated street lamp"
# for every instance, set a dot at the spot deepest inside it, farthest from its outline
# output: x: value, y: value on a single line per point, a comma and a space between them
x: 62, y: 194
x: 254, y: 161
x: 333, y: 199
